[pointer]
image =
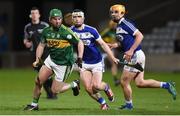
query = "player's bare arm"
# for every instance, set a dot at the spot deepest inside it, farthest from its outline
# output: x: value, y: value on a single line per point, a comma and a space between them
x: 39, y: 52
x: 107, y: 50
x: 80, y: 49
x: 138, y: 38
x: 113, y: 45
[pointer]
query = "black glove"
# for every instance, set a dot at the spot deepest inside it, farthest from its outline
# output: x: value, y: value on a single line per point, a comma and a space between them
x: 37, y: 68
x: 38, y: 65
x: 79, y: 62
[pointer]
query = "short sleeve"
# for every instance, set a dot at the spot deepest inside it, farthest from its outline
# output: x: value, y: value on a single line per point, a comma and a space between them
x: 72, y: 37
x: 129, y: 27
x: 26, y: 35
x: 43, y: 37
x: 96, y: 34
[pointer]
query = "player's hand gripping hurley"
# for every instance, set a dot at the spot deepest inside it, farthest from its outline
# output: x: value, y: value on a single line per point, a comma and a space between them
x: 134, y: 65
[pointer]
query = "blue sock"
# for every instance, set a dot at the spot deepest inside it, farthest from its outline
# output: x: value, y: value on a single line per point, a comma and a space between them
x: 129, y: 104
x: 164, y: 85
x: 101, y: 100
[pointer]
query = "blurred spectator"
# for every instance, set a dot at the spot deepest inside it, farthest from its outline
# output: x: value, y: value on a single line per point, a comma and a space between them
x: 32, y: 37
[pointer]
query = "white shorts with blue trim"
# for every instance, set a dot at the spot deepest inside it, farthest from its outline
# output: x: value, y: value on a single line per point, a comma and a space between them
x: 138, y: 57
x: 98, y: 67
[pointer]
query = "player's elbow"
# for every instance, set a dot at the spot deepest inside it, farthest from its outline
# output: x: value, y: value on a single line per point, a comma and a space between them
x: 140, y: 35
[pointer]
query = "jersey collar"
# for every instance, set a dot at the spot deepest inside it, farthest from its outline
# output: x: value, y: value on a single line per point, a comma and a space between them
x: 121, y: 20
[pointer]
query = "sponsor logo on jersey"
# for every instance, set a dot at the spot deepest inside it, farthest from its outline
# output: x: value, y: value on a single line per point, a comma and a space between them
x: 57, y: 43
x: 69, y: 36
x: 84, y: 35
x: 120, y: 30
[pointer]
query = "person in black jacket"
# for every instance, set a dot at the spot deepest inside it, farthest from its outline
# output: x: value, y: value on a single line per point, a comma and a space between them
x: 32, y: 34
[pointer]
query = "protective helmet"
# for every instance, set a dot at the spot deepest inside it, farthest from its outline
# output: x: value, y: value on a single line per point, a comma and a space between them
x: 68, y: 19
x: 78, y: 12
x: 118, y: 7
x: 55, y: 13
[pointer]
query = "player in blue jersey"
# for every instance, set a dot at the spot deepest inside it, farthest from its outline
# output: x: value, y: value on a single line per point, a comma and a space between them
x: 129, y: 38
x: 92, y: 66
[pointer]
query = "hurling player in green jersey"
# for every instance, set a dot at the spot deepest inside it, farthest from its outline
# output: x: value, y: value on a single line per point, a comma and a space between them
x: 59, y: 40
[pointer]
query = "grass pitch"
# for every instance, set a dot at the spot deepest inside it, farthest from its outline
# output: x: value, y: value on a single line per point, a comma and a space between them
x: 16, y: 91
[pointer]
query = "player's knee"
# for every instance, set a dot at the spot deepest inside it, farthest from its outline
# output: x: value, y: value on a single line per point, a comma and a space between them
x: 96, y: 86
x: 139, y: 84
x: 88, y: 89
x: 124, y: 81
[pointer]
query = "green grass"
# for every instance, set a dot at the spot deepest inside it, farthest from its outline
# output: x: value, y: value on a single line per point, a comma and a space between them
x: 16, y: 91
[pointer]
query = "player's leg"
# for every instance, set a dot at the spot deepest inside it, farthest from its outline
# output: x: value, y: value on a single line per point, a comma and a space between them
x: 151, y: 83
x: 126, y: 79
x: 47, y: 87
x: 148, y: 83
x: 44, y: 73
x: 47, y: 84
x: 86, y: 78
x: 61, y: 74
x: 128, y: 75
x: 102, y: 86
x: 97, y: 71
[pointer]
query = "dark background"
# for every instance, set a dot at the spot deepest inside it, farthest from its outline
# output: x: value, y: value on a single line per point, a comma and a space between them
x: 146, y: 14
x: 158, y: 20
x: 14, y: 15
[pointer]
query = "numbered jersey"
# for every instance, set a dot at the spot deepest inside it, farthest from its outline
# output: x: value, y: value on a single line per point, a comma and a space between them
x: 89, y: 35
x: 125, y: 32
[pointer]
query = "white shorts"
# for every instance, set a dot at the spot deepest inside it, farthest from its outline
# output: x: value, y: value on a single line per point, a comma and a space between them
x: 138, y: 57
x: 98, y: 67
x: 61, y: 72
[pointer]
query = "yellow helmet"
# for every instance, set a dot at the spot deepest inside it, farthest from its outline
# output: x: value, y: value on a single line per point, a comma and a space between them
x: 118, y: 7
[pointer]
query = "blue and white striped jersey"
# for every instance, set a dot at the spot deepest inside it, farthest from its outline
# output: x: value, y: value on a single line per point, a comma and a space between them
x: 125, y: 32
x: 89, y: 35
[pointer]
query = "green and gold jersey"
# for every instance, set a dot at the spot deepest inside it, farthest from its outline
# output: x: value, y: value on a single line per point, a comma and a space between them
x: 60, y: 44
x: 109, y: 35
